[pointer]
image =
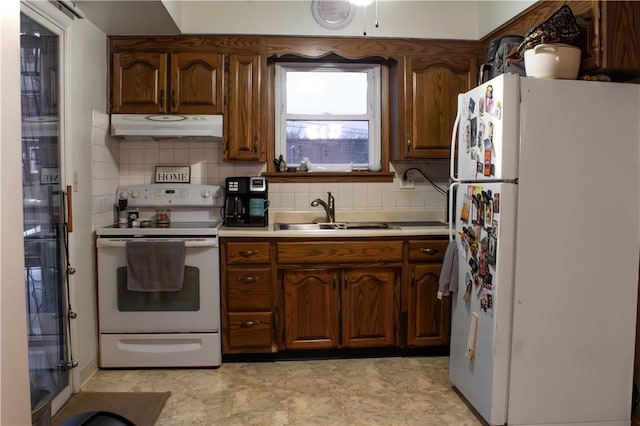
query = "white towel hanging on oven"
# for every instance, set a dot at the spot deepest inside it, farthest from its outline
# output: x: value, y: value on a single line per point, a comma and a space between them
x: 155, y: 265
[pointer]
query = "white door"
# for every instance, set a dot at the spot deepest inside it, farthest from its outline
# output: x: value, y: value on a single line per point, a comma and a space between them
x: 482, y: 305
x: 487, y: 131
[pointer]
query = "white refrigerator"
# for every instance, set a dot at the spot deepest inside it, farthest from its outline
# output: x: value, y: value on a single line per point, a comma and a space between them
x: 546, y: 184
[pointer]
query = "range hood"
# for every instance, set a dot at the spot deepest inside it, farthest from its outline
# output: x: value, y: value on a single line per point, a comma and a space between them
x: 166, y: 125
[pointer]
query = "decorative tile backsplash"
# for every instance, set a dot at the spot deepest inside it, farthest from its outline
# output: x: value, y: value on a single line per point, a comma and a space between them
x: 125, y: 162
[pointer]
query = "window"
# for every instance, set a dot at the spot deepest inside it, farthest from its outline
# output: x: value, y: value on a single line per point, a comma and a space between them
x: 330, y: 114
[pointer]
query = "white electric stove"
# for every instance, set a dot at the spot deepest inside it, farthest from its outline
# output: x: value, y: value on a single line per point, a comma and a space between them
x: 177, y: 328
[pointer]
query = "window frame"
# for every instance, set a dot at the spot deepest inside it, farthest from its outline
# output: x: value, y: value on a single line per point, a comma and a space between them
x: 374, y: 101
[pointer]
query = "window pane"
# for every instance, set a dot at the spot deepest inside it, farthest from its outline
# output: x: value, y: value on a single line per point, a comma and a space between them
x: 326, y: 92
x: 328, y: 142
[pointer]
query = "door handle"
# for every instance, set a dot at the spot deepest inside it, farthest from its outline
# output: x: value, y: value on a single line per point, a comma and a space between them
x: 69, y: 209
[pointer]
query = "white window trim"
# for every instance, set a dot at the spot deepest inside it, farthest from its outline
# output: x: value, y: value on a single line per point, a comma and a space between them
x: 374, y: 107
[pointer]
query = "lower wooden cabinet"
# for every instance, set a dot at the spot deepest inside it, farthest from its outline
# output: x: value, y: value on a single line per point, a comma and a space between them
x: 369, y: 307
x: 311, y: 309
x: 279, y: 294
x: 428, y: 318
x: 248, y: 297
x: 342, y: 308
x: 249, y: 332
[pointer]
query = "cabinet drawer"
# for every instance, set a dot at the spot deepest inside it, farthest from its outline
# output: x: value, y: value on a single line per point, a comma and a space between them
x: 247, y: 252
x: 249, y: 289
x: 249, y: 329
x: 340, y: 251
x: 427, y: 250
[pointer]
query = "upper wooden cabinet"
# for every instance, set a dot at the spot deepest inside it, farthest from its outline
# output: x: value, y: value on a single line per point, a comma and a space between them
x: 185, y: 83
x: 430, y: 101
x: 245, y: 135
x: 609, y: 38
x: 138, y: 83
x: 196, y: 83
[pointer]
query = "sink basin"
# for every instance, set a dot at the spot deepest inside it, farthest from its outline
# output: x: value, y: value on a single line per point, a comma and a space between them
x: 303, y: 226
x: 333, y: 226
x: 420, y: 223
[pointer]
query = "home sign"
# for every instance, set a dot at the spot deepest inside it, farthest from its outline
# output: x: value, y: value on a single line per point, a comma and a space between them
x: 173, y: 174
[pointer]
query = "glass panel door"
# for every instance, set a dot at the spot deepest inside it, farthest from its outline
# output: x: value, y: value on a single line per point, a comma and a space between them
x: 43, y: 205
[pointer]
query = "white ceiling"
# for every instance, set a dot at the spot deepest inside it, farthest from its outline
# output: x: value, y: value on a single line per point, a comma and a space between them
x: 129, y: 17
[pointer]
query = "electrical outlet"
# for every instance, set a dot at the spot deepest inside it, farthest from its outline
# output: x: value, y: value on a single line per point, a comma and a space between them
x: 407, y: 184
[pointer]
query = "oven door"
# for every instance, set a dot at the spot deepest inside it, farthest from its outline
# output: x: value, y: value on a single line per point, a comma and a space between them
x: 193, y: 308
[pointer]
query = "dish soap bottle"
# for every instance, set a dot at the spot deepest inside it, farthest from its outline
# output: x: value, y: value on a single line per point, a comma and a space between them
x: 282, y: 165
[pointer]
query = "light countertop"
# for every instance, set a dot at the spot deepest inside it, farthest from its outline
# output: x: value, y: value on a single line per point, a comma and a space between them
x: 345, y: 216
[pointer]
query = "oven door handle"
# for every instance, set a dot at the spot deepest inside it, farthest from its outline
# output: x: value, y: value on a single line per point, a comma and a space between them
x: 122, y: 243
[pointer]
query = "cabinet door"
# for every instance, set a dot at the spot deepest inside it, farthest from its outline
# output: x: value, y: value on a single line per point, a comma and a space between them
x: 431, y: 101
x: 242, y: 126
x: 428, y: 316
x: 618, y: 36
x: 368, y: 307
x: 311, y: 309
x: 196, y: 83
x: 139, y: 82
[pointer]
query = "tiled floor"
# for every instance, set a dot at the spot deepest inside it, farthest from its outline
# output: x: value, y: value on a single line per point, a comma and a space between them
x: 336, y: 392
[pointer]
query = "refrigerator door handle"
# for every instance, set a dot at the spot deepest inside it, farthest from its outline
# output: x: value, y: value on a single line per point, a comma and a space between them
x: 452, y: 214
x: 454, y: 139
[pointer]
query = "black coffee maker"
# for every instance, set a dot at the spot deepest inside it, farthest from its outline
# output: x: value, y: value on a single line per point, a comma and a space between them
x: 247, y: 202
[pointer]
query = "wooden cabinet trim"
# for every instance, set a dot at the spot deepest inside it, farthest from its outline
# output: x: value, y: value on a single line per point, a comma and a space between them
x: 339, y: 251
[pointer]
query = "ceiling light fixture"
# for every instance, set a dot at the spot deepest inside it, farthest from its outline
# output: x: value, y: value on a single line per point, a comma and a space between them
x: 361, y: 2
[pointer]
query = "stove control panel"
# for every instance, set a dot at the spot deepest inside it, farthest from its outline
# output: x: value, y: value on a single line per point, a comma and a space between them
x: 186, y: 195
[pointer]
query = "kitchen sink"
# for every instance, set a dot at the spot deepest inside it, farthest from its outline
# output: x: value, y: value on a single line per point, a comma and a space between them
x: 333, y: 226
x: 420, y: 223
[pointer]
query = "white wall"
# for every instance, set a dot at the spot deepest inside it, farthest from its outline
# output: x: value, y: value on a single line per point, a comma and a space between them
x: 416, y: 19
x: 14, y: 369
x: 86, y: 92
x: 492, y: 14
x: 467, y: 20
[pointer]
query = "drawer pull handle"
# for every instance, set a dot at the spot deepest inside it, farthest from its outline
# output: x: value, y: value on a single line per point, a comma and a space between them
x: 248, y: 279
x: 248, y: 253
x: 250, y: 323
x: 429, y: 251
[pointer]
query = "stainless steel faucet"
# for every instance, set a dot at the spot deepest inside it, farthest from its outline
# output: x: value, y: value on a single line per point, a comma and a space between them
x: 329, y: 207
